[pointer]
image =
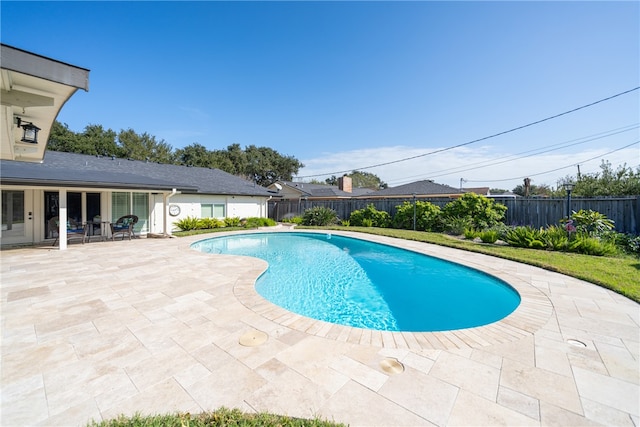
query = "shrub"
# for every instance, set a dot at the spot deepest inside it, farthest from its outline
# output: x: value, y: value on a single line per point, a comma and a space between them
x: 555, y: 238
x: 232, y: 222
x: 525, y: 237
x: 489, y: 236
x: 592, y: 223
x: 456, y: 226
x: 370, y: 215
x: 187, y: 224
x: 293, y: 220
x: 345, y: 222
x: 627, y: 243
x: 584, y: 244
x: 319, y: 216
x: 427, y: 216
x: 482, y: 211
x: 256, y: 222
x: 208, y: 223
x: 470, y: 233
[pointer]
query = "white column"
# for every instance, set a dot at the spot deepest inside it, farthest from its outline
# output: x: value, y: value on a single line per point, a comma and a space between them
x: 62, y: 215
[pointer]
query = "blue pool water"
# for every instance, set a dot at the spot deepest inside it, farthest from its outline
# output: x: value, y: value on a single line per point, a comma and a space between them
x: 369, y: 285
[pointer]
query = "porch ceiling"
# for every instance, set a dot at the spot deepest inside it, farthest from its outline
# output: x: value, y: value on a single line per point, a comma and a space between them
x: 33, y: 88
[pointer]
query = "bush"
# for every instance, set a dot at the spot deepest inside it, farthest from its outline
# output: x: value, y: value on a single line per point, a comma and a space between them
x: 319, y: 216
x: 256, y: 222
x: 525, y: 237
x: 187, y: 224
x: 456, y: 226
x: 208, y: 223
x: 482, y: 211
x: 489, y: 236
x: 592, y: 223
x: 232, y: 222
x: 470, y: 233
x: 555, y: 238
x: 627, y: 243
x: 293, y: 220
x: 427, y: 216
x: 584, y: 244
x: 370, y: 217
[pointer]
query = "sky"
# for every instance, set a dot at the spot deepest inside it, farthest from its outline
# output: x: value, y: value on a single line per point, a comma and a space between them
x: 345, y: 86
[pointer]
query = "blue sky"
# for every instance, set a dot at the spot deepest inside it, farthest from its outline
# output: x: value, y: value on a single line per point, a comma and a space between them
x: 347, y: 85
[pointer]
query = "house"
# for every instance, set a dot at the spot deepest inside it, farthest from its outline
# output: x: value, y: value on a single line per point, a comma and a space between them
x: 37, y: 185
x: 288, y: 190
x: 88, y: 186
x: 419, y: 189
x: 483, y: 191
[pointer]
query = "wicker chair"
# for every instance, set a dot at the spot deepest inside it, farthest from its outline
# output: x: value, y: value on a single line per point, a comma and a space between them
x: 74, y: 229
x: 124, y: 225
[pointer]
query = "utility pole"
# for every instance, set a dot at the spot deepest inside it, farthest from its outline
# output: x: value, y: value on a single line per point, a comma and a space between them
x: 578, y: 172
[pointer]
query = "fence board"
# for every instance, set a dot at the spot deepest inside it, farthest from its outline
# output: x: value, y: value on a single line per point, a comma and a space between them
x: 624, y: 211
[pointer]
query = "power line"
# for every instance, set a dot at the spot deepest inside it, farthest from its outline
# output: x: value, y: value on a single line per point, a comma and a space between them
x: 557, y: 169
x: 479, y: 139
x: 512, y: 157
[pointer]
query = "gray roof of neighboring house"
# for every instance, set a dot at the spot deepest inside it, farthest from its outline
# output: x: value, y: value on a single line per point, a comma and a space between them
x: 419, y: 188
x: 81, y: 170
x: 325, y: 190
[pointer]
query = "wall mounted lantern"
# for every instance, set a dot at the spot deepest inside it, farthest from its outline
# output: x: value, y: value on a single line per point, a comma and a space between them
x: 29, y: 131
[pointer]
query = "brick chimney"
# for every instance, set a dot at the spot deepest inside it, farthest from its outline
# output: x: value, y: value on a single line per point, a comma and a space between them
x: 345, y: 184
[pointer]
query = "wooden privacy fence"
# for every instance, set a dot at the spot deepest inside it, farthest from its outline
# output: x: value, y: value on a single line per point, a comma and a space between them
x: 624, y: 211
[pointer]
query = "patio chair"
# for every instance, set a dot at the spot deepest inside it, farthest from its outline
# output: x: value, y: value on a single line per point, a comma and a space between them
x: 124, y: 225
x: 74, y: 229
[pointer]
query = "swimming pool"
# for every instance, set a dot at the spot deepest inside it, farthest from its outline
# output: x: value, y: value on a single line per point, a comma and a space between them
x: 357, y: 283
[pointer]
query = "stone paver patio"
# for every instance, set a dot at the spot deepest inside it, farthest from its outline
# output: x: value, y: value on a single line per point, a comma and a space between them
x: 152, y: 326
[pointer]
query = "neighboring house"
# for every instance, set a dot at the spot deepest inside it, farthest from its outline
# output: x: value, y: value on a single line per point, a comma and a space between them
x: 483, y: 191
x: 88, y: 186
x: 418, y: 189
x: 288, y: 190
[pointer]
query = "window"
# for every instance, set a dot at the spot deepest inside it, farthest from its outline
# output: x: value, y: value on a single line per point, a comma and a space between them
x: 131, y: 204
x: 212, y: 210
x: 13, y: 213
x: 120, y: 205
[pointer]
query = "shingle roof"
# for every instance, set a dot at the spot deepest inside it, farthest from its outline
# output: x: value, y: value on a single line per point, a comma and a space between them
x: 325, y: 190
x: 71, y: 169
x: 419, y: 188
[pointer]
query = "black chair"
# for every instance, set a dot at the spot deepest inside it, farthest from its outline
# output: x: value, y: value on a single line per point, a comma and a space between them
x: 124, y: 225
x: 74, y: 229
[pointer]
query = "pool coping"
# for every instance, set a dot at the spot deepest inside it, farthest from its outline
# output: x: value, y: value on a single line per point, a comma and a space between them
x: 533, y: 313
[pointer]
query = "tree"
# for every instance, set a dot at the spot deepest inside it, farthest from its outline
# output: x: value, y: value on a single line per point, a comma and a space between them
x: 263, y: 165
x: 266, y: 166
x: 61, y: 138
x: 534, y: 190
x: 194, y: 155
x: 366, y: 180
x: 623, y: 181
x: 144, y: 147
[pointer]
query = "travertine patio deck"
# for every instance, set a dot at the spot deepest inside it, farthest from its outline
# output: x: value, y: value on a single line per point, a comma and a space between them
x: 149, y: 325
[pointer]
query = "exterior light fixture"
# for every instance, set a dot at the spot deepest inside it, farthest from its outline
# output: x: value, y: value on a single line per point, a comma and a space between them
x: 29, y: 131
x: 568, y: 186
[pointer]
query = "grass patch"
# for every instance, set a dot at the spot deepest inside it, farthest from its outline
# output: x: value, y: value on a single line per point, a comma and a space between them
x: 221, y: 417
x: 618, y: 273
